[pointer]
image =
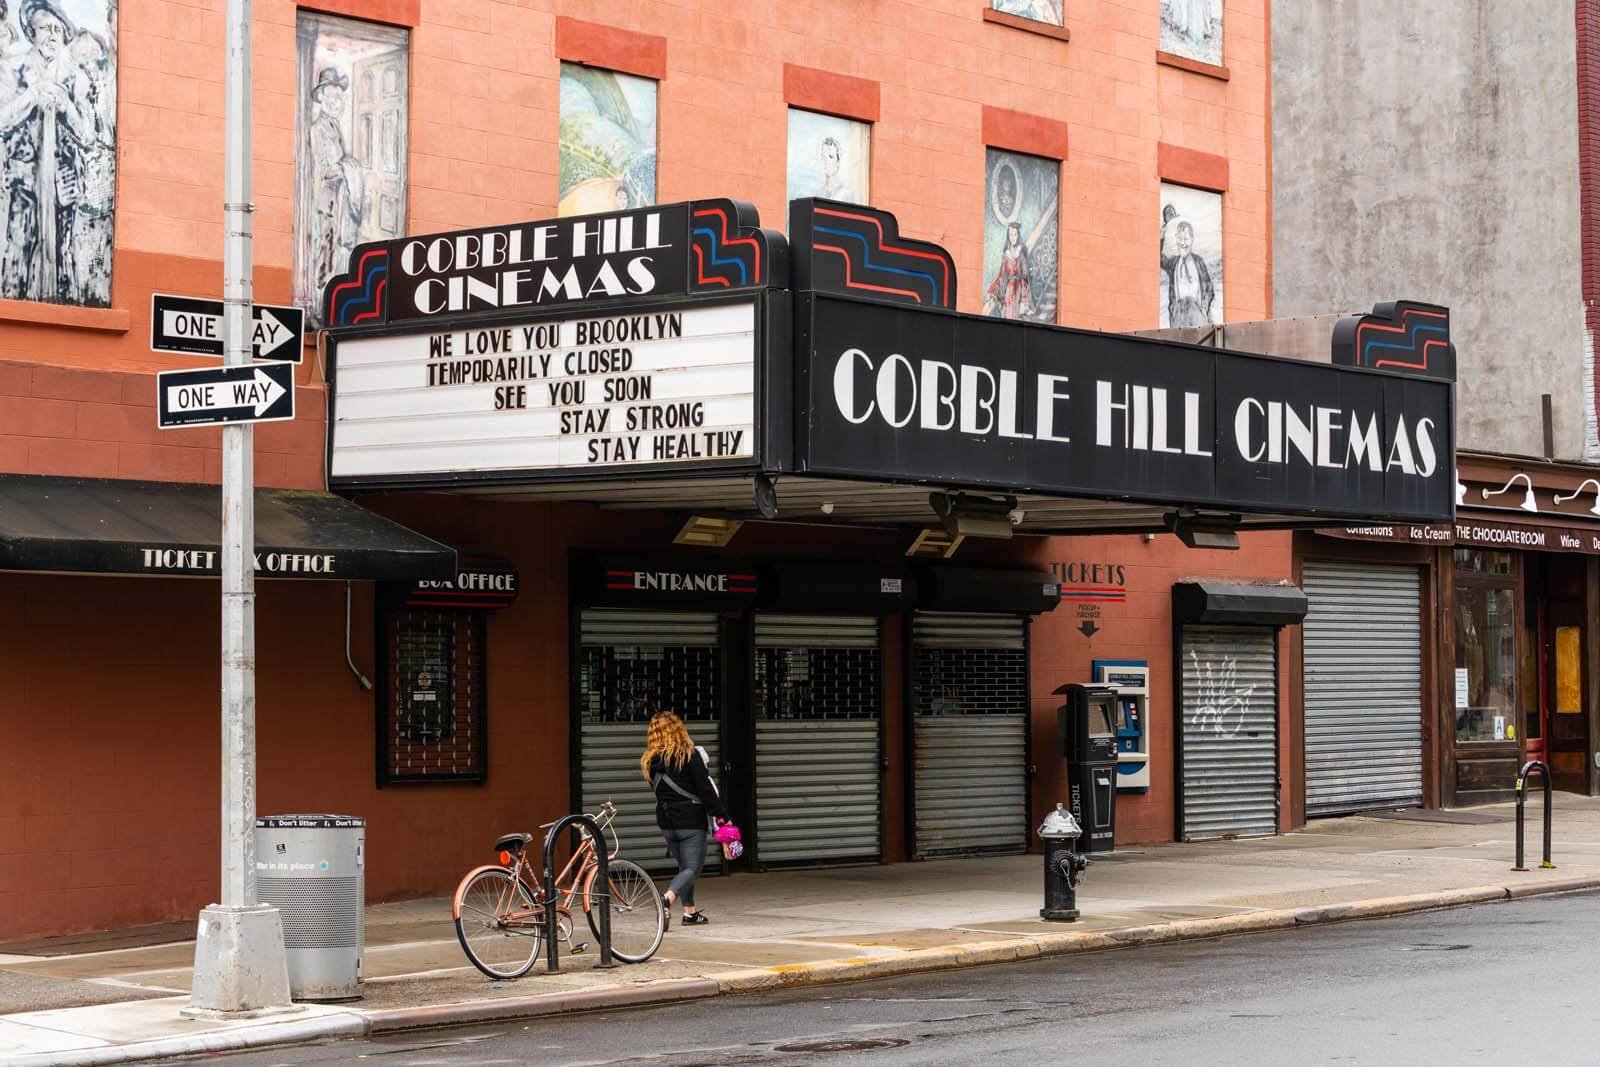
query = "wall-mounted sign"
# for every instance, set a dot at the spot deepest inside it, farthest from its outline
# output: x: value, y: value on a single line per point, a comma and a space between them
x: 663, y: 580
x: 1433, y: 534
x: 482, y: 583
x: 668, y: 387
x: 900, y: 394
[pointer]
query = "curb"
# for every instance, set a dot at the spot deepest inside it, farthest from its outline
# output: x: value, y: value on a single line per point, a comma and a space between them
x: 299, y: 1031
x: 666, y: 991
x: 356, y: 1023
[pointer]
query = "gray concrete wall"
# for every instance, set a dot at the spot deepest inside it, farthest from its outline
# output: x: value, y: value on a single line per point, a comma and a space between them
x: 1427, y: 150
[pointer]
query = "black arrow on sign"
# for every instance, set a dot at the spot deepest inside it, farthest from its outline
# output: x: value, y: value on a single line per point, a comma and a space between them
x: 1088, y: 627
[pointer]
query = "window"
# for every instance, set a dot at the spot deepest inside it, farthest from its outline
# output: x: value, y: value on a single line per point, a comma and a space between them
x: 60, y: 168
x: 1191, y: 257
x: 1192, y: 29
x: 431, y: 716
x: 608, y: 141
x: 339, y: 181
x: 1021, y: 227
x: 1046, y: 11
x: 1486, y: 646
x: 816, y: 683
x: 829, y: 157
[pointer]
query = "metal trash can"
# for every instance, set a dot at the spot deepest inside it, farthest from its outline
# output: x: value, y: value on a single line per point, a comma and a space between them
x: 311, y: 868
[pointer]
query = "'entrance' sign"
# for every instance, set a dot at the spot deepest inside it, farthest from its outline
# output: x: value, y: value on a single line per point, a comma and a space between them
x: 211, y: 396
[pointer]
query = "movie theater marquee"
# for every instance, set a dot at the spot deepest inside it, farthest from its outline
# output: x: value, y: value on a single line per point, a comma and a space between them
x: 598, y: 391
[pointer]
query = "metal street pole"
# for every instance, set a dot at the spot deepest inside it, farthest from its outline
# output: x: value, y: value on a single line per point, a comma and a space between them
x: 240, y: 964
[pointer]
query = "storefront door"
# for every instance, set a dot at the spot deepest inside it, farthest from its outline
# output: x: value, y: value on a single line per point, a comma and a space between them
x: 1228, y: 735
x: 1363, y: 687
x: 631, y: 664
x: 969, y: 686
x: 817, y: 701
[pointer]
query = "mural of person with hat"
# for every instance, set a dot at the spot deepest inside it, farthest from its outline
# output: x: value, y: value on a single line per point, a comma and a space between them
x: 337, y: 180
x: 45, y: 126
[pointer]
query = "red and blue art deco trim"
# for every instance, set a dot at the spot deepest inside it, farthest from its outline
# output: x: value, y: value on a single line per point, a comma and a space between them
x: 729, y: 249
x: 357, y: 298
x: 848, y: 248
x: 1402, y: 336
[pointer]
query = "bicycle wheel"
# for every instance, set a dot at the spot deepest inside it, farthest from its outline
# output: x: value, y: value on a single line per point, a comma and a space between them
x: 638, y: 918
x: 497, y: 923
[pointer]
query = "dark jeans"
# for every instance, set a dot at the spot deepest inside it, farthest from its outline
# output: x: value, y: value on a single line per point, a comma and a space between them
x: 688, y: 848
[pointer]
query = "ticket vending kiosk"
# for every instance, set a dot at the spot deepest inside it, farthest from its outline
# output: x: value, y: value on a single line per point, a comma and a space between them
x: 1131, y: 679
x: 1087, y: 724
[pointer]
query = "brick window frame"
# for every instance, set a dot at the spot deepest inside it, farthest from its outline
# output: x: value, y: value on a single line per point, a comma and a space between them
x: 1025, y: 24
x: 1186, y: 166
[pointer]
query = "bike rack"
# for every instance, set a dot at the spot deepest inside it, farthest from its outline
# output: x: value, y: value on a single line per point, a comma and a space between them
x: 552, y: 958
x: 1522, y: 796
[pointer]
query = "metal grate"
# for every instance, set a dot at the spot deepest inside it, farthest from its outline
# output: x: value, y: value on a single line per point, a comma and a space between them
x: 316, y: 912
x: 433, y: 711
x: 970, y: 681
x: 970, y: 697
x: 626, y: 672
x: 816, y: 683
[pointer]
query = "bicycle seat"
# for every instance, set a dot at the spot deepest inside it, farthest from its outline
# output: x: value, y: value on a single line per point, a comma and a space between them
x: 512, y: 842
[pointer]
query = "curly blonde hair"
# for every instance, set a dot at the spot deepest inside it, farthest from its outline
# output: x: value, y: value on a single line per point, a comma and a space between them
x: 669, y: 739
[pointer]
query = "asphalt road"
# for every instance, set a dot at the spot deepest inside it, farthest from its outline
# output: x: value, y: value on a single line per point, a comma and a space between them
x: 1507, y: 983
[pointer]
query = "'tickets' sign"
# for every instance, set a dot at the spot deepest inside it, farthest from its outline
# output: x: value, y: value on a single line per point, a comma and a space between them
x: 961, y: 400
x: 662, y: 387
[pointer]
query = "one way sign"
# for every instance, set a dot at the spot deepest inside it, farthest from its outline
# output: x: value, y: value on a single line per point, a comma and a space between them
x: 214, y: 395
x: 192, y: 324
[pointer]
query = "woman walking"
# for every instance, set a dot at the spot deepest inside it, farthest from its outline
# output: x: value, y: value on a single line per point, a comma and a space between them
x: 686, y: 802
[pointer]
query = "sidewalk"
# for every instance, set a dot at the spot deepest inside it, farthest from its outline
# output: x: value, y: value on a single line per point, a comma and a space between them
x: 73, y: 1003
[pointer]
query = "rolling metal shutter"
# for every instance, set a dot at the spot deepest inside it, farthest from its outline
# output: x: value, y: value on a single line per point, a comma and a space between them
x: 818, y: 717
x: 1363, y: 679
x: 970, y: 692
x: 1229, y: 731
x: 670, y: 661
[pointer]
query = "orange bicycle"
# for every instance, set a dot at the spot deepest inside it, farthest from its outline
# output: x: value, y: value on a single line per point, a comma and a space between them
x: 500, y: 914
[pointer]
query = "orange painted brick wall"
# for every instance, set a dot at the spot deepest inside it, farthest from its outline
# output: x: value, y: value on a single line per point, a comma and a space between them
x: 483, y: 144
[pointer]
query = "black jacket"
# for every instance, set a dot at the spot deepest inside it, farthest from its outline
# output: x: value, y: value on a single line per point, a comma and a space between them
x: 674, y: 811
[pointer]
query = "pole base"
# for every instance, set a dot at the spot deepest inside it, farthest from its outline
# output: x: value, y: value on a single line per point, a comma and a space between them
x: 239, y: 962
x: 1059, y: 915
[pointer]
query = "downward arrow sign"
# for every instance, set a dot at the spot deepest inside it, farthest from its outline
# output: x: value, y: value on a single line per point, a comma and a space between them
x: 1088, y: 628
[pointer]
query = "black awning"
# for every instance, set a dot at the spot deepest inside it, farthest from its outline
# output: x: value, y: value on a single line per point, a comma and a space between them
x: 1016, y: 592
x: 838, y: 588
x: 104, y: 526
x: 1251, y: 605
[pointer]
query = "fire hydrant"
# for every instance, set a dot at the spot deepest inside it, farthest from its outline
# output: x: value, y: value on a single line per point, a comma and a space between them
x: 1062, y: 865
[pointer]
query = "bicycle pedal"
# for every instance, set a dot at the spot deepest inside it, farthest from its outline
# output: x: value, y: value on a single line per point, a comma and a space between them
x: 578, y: 949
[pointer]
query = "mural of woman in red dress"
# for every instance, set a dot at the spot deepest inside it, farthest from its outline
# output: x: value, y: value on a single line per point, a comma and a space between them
x: 1010, y: 295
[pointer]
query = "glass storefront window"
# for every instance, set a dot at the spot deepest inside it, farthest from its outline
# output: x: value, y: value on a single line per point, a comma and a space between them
x: 1486, y: 627
x: 1472, y: 561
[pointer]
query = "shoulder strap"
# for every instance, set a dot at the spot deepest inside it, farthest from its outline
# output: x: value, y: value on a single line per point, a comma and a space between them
x: 661, y: 779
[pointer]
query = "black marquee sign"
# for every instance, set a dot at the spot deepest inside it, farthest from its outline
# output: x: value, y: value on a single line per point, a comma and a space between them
x: 838, y: 353
x: 706, y: 246
x: 962, y: 400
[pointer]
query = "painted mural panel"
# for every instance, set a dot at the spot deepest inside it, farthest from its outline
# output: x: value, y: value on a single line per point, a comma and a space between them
x: 1192, y: 29
x: 1191, y: 256
x: 829, y: 156
x: 350, y: 182
x: 58, y: 127
x: 1038, y: 10
x: 1021, y: 224
x: 608, y: 140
